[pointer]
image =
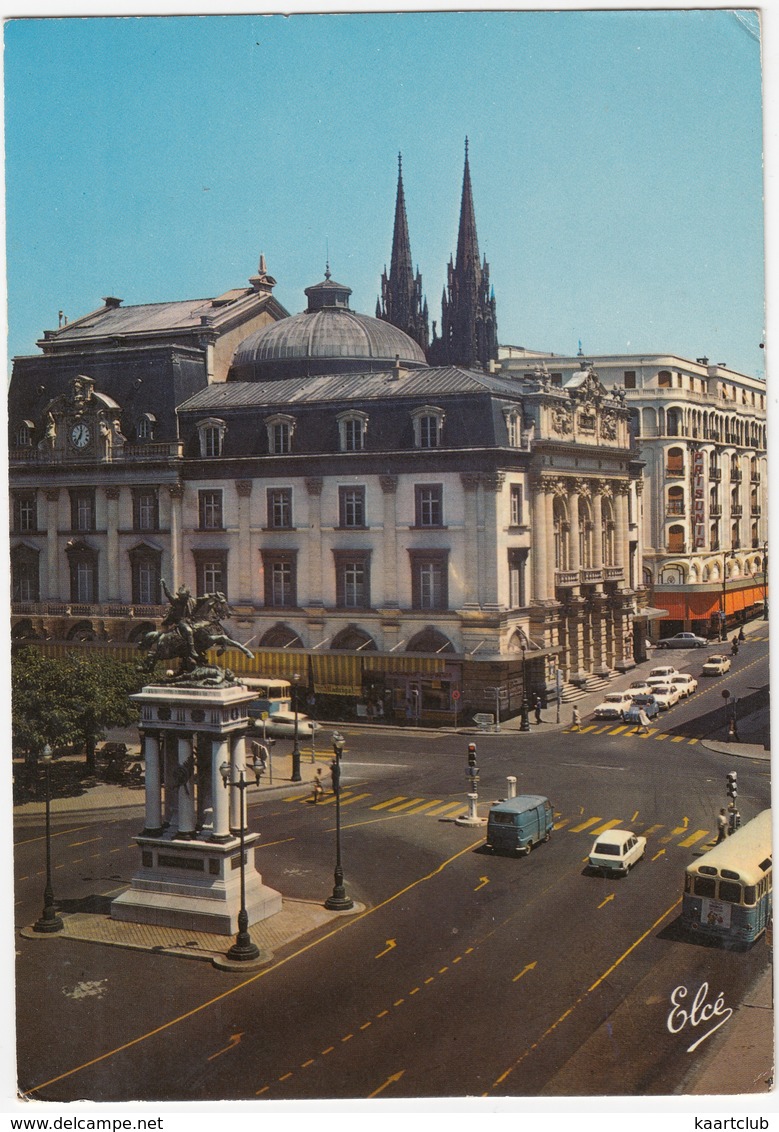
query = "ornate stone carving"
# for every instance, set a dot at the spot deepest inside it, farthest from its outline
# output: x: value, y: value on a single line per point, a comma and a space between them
x: 176, y: 490
x: 493, y: 481
x: 470, y: 480
x: 608, y: 425
x: 112, y: 493
x: 562, y: 420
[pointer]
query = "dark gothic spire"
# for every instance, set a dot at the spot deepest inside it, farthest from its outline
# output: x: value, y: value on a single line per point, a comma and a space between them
x: 401, y: 300
x: 468, y: 324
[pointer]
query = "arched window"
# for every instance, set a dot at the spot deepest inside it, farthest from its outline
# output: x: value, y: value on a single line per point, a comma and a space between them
x: 353, y: 639
x: 675, y: 502
x: 675, y: 462
x: 428, y: 423
x: 676, y: 539
x: 561, y: 534
x: 280, y: 428
x: 211, y: 434
x: 281, y: 637
x: 664, y: 379
x: 352, y: 429
x: 674, y: 422
x: 430, y: 640
x: 24, y: 431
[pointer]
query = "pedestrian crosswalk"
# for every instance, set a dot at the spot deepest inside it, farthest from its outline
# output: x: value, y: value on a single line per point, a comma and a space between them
x: 683, y: 835
x: 630, y: 731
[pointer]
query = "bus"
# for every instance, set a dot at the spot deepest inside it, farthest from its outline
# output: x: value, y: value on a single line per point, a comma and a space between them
x: 271, y: 695
x: 727, y: 892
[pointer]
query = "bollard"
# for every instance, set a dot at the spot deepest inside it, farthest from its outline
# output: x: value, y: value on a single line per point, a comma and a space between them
x: 512, y: 786
x: 472, y: 800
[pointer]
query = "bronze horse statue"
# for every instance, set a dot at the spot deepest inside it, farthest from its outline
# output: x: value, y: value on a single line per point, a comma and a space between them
x: 188, y: 637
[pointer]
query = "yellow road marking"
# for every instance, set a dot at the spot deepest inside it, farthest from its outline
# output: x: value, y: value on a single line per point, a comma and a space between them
x: 425, y: 806
x: 692, y: 741
x: 391, y: 802
x: 447, y: 806
x: 650, y: 731
x: 584, y: 825
x: 617, y: 730
x: 678, y: 738
x: 652, y: 829
x: 589, y: 727
x: 403, y: 805
x: 354, y: 798
x: 688, y: 841
x: 662, y: 735
x: 602, y: 729
x: 76, y: 844
x: 606, y: 825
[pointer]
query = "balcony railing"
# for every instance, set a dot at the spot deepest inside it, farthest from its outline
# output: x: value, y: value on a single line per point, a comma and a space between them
x: 676, y: 548
x: 675, y: 472
x: 133, y: 453
x: 614, y: 573
x: 566, y: 577
x: 736, y: 510
x: 735, y: 475
x: 674, y: 508
x: 756, y: 509
x: 88, y: 609
x: 715, y: 508
x: 755, y: 477
x: 592, y: 575
x: 715, y: 473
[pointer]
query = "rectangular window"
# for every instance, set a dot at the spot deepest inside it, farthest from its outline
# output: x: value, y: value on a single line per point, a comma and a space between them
x: 146, y: 580
x: 517, y: 560
x: 280, y: 508
x: 85, y: 581
x: 145, y: 510
x: 352, y: 579
x: 25, y: 512
x: 25, y: 585
x: 210, y: 508
x: 428, y: 432
x: 630, y: 379
x: 351, y: 506
x: 429, y: 579
x: 429, y: 511
x: 280, y: 438
x: 280, y: 574
x: 516, y: 505
x: 82, y: 509
x: 211, y: 441
x: 353, y: 435
x: 211, y: 573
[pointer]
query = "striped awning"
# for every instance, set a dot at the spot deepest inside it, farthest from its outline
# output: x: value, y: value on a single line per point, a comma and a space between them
x: 336, y: 674
x: 412, y: 665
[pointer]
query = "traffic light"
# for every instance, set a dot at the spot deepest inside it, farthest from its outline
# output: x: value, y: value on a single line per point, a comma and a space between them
x: 732, y: 785
x: 471, y: 754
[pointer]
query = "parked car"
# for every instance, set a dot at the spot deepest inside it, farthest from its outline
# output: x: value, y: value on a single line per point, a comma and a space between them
x: 613, y: 706
x: 666, y: 695
x: 616, y: 852
x: 649, y: 705
x: 661, y: 675
x: 716, y: 665
x: 639, y: 688
x: 281, y: 725
x: 685, y: 683
x: 683, y: 641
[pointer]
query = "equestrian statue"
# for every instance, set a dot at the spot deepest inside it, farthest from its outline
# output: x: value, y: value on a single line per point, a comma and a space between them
x: 189, y: 629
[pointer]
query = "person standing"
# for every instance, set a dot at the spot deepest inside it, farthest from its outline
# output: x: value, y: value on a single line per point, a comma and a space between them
x: 576, y: 719
x: 722, y: 826
x: 643, y: 721
x: 538, y: 709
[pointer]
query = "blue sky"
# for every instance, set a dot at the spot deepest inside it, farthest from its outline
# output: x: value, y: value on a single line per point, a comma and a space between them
x: 615, y: 156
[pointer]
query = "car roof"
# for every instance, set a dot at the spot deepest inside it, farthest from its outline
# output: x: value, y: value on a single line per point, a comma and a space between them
x: 617, y: 834
x: 520, y: 803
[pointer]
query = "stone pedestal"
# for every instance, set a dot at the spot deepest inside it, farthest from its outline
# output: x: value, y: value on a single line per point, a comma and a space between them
x: 189, y: 876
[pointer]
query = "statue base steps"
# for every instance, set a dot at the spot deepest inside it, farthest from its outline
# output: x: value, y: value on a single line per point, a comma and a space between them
x: 195, y: 885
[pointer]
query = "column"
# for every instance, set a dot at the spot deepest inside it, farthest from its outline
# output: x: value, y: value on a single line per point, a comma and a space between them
x: 245, y: 587
x: 622, y: 533
x: 489, y: 533
x: 186, y: 789
x: 237, y: 797
x: 538, y: 519
x: 176, y: 495
x: 151, y: 757
x: 573, y: 506
x: 53, y: 572
x: 205, y: 798
x: 472, y: 580
x: 389, y: 487
x: 547, y: 533
x: 597, y: 523
x: 314, y: 548
x: 220, y: 751
x: 112, y: 543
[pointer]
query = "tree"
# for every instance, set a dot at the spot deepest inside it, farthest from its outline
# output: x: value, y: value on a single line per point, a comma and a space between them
x: 70, y: 701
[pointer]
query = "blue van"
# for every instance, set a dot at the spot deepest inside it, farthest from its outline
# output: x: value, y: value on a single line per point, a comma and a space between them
x: 517, y: 824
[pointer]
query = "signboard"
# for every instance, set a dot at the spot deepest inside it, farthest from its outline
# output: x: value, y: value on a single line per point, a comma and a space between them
x: 715, y: 913
x: 698, y: 500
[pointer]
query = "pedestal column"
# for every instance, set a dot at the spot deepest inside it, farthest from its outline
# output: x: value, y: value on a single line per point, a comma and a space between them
x: 53, y: 573
x: 621, y: 542
x: 220, y: 752
x: 176, y: 491
x: 151, y: 756
x: 493, y: 485
x: 237, y: 797
x: 186, y: 823
x: 541, y: 566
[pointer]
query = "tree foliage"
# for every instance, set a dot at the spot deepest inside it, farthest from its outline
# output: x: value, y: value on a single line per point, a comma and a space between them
x: 70, y: 701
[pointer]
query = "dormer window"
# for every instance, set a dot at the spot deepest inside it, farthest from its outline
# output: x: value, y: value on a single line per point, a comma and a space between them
x: 145, y: 430
x: 211, y: 433
x: 280, y: 431
x: 428, y: 422
x: 352, y: 427
x: 513, y: 419
x: 24, y: 431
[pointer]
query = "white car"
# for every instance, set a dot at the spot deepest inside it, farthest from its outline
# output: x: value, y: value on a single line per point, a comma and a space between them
x: 666, y: 695
x: 716, y: 665
x: 638, y: 688
x: 685, y: 683
x: 614, y: 706
x: 661, y: 675
x: 281, y: 725
x: 616, y: 852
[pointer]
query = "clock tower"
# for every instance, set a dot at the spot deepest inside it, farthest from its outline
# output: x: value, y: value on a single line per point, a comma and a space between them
x: 82, y: 423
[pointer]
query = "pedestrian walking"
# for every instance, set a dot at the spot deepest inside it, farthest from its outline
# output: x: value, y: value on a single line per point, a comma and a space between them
x: 741, y: 635
x: 538, y: 709
x: 576, y: 719
x: 318, y: 788
x: 643, y: 721
x: 734, y: 646
x: 722, y: 825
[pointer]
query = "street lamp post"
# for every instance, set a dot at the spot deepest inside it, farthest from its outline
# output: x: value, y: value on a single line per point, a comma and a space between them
x: 49, y: 920
x: 524, y: 724
x: 244, y: 947
x: 296, y: 775
x: 723, y: 632
x: 338, y: 901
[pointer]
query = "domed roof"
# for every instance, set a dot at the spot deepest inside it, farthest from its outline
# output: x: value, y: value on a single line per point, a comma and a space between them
x: 328, y: 337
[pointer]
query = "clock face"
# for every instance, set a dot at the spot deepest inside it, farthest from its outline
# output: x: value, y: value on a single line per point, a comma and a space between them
x: 80, y: 434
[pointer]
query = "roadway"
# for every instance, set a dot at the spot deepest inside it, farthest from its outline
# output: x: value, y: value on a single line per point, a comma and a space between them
x: 467, y: 974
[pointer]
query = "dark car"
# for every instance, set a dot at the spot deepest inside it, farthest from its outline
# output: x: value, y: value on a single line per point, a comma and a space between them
x: 648, y: 703
x: 683, y: 641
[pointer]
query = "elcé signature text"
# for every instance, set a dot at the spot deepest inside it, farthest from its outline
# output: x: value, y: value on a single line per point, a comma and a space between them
x: 700, y: 1013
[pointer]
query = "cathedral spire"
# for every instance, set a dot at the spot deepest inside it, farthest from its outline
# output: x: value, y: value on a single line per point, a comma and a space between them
x: 401, y: 300
x: 468, y: 324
